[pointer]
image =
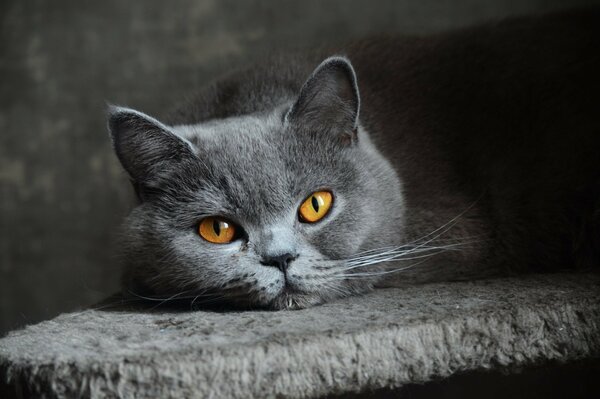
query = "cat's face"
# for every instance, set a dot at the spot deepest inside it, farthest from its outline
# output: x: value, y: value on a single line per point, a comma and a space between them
x: 259, y: 210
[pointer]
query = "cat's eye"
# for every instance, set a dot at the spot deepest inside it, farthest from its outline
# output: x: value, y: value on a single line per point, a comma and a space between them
x: 315, y: 207
x: 217, y: 231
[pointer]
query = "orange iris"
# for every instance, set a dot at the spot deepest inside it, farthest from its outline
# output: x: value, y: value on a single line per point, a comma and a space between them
x: 216, y: 230
x: 316, y: 206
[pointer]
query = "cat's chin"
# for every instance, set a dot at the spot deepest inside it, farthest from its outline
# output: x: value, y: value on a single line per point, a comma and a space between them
x: 294, y: 300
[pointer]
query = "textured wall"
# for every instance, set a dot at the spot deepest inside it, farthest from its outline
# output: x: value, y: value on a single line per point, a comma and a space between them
x: 62, y: 192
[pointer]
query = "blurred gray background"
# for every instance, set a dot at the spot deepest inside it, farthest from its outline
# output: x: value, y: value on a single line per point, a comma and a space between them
x: 62, y: 191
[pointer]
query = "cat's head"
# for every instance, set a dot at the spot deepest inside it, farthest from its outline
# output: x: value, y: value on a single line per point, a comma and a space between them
x: 258, y: 210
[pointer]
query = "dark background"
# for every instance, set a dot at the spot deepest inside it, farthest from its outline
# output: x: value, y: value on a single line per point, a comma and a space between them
x: 62, y: 191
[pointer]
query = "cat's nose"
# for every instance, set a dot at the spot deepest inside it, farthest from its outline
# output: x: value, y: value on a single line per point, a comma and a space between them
x: 282, y: 262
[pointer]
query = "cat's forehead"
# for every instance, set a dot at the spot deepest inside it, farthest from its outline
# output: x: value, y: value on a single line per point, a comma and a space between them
x: 259, y: 146
x: 231, y: 131
x: 254, y: 167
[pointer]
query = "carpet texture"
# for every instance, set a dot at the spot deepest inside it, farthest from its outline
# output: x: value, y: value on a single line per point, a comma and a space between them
x: 388, y: 338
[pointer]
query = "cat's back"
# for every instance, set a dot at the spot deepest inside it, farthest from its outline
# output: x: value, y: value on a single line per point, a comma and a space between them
x: 492, y: 84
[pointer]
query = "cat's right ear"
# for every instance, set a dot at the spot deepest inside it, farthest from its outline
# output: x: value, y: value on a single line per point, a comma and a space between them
x: 145, y: 146
x: 329, y: 100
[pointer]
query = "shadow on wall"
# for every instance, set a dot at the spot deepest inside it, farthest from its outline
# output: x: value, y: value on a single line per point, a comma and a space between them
x: 62, y: 191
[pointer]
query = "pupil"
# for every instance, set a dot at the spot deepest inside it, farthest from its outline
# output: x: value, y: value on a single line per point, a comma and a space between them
x: 217, y: 227
x: 315, y: 203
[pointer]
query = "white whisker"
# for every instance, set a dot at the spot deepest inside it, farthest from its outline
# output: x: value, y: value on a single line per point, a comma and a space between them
x: 375, y: 274
x: 401, y: 255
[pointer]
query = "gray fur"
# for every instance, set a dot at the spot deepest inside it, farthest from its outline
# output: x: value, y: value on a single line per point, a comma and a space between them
x: 256, y: 170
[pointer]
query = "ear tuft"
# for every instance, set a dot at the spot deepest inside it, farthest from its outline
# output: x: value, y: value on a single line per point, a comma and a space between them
x: 329, y: 98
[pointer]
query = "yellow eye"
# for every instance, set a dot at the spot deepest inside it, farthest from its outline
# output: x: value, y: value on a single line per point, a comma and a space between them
x: 216, y: 230
x: 315, y: 207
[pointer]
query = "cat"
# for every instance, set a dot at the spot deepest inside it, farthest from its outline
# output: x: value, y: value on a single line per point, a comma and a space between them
x: 389, y: 161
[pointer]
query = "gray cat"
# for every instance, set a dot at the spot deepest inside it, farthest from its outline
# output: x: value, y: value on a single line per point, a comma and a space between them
x: 462, y: 155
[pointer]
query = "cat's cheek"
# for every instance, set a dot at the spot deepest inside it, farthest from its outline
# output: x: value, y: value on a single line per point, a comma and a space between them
x: 339, y: 241
x: 343, y: 232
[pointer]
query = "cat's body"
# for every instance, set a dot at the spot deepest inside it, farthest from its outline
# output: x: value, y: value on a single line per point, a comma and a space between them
x: 485, y: 142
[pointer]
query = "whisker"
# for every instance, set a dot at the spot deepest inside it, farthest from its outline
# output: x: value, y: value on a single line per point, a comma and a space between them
x: 400, y: 255
x: 375, y: 274
x: 411, y: 246
x: 397, y: 250
x: 147, y: 298
x: 391, y: 258
x: 448, y: 224
x: 172, y: 297
x: 114, y: 304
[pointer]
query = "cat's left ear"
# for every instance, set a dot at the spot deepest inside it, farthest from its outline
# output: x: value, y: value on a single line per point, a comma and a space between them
x: 329, y: 100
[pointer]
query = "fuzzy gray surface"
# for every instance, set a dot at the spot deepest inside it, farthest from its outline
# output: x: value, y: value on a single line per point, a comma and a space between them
x: 388, y: 338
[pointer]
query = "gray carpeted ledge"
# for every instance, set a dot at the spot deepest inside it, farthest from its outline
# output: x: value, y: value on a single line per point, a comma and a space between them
x: 385, y: 339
